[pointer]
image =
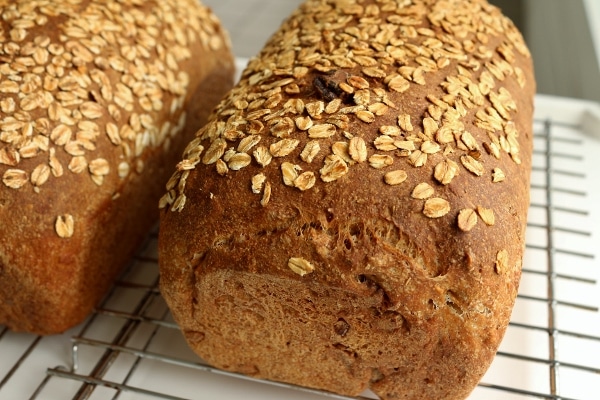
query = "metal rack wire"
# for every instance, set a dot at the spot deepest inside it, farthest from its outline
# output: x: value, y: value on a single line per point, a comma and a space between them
x: 131, y: 349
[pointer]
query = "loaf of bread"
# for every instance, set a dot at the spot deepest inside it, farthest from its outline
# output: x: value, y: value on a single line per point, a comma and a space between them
x: 98, y: 100
x: 353, y: 215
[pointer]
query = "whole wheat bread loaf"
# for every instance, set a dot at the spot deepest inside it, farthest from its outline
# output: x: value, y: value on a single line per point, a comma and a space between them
x: 353, y: 215
x: 97, y: 102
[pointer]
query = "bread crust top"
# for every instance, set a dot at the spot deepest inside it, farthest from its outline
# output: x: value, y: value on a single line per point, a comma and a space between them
x: 416, y: 115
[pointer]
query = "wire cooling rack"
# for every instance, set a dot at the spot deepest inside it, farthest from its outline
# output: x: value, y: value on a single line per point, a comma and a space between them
x: 131, y: 349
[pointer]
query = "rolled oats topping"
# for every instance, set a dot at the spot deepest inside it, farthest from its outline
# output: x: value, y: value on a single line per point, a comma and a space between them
x: 502, y: 262
x: 337, y: 91
x: 258, y: 181
x: 423, y: 191
x: 436, y: 207
x: 467, y: 219
x: 300, y: 266
x: 445, y: 171
x: 305, y: 180
x: 289, y: 172
x: 395, y: 177
x: 106, y: 77
x: 65, y: 226
x: 15, y: 178
x: 498, y: 175
x: 357, y: 149
x: 334, y: 168
x: 487, y: 215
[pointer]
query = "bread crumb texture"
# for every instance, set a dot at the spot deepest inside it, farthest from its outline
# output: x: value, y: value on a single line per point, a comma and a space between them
x: 353, y: 214
x: 77, y: 76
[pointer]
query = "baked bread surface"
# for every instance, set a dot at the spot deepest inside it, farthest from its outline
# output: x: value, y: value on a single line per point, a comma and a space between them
x: 98, y: 100
x: 353, y: 216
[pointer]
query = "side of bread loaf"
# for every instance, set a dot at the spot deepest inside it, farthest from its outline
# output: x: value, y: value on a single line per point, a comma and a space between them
x: 353, y: 215
x: 98, y: 100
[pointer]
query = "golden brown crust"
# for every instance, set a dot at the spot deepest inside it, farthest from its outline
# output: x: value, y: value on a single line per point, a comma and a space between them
x: 98, y: 102
x: 353, y: 215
